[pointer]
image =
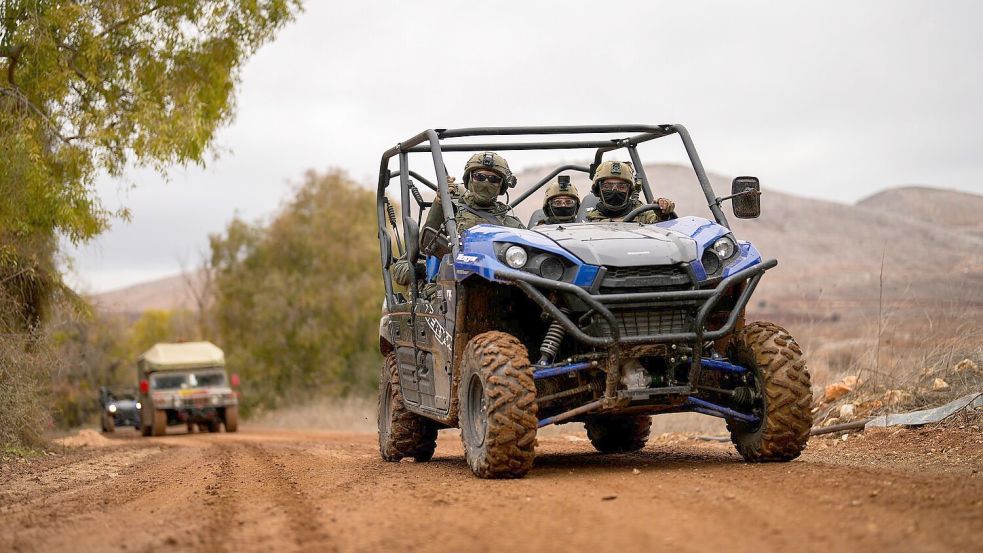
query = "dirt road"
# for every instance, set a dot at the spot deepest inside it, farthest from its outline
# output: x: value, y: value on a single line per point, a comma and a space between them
x: 291, y: 491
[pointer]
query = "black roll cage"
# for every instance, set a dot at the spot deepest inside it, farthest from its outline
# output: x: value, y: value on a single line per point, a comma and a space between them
x: 431, y: 140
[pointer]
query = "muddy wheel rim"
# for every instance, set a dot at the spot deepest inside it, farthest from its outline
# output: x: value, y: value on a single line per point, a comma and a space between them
x: 760, y: 407
x: 477, y: 411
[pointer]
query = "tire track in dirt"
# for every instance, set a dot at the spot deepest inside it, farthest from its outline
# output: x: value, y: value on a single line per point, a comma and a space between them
x: 308, y: 491
x: 292, y: 499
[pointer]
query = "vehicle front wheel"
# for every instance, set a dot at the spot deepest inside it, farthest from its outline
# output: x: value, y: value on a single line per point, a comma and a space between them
x: 497, y: 398
x: 402, y: 433
x: 619, y: 434
x: 784, y: 394
x: 231, y: 419
x: 160, y: 422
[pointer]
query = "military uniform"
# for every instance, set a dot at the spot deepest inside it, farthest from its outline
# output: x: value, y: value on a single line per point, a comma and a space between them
x: 595, y: 215
x: 476, y: 205
x: 474, y: 208
x: 614, y: 205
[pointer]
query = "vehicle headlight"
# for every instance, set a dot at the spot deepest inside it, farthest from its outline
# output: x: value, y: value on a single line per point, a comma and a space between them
x: 724, y: 247
x: 139, y: 406
x: 215, y: 400
x: 551, y: 268
x: 516, y: 257
x: 112, y: 408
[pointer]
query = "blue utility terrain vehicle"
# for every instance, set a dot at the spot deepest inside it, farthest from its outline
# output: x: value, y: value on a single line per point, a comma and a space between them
x: 502, y: 331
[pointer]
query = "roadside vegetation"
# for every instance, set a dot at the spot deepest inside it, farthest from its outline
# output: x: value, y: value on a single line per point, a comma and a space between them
x: 89, y: 89
x: 297, y: 301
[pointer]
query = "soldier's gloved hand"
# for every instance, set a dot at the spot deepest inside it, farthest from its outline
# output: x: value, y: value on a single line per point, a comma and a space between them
x: 666, y: 205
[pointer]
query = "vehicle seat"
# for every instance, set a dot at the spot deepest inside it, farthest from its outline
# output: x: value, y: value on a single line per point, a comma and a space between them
x: 586, y: 204
x: 537, y: 217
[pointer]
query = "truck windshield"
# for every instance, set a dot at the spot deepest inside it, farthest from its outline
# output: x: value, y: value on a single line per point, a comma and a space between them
x: 197, y: 379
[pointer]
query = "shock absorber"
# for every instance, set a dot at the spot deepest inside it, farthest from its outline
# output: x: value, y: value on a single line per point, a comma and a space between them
x: 551, y: 342
x: 416, y: 194
x: 391, y: 211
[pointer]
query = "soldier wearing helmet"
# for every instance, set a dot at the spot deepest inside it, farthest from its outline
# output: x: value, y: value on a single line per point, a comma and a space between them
x: 486, y: 177
x: 561, y: 203
x: 617, y: 190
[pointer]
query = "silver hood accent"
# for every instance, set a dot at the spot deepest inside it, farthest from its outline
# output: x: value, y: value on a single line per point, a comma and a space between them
x: 622, y: 244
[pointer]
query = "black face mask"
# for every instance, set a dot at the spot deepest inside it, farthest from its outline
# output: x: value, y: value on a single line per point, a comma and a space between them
x: 614, y: 200
x: 562, y: 212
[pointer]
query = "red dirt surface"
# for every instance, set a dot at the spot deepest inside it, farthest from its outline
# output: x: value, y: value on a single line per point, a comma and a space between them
x: 258, y: 490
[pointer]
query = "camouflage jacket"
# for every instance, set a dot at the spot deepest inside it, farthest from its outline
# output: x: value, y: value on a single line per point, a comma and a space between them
x: 468, y: 214
x: 400, y: 273
x: 595, y: 216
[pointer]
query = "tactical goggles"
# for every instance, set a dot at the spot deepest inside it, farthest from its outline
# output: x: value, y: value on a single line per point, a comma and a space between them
x: 563, y: 202
x: 482, y: 177
x: 616, y: 185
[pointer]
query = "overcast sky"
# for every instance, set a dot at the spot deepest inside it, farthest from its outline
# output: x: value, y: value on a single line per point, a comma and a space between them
x: 833, y: 100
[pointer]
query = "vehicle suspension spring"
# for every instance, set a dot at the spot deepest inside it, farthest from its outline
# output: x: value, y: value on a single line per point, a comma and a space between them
x: 551, y: 342
x: 392, y: 213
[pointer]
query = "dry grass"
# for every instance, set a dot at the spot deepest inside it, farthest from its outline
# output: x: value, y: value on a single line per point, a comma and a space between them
x: 24, y: 366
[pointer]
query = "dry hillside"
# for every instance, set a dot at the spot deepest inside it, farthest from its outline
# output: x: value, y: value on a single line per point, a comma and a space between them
x: 829, y: 288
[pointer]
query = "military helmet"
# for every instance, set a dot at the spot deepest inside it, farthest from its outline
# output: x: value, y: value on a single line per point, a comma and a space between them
x: 557, y: 188
x: 613, y: 170
x: 491, y: 162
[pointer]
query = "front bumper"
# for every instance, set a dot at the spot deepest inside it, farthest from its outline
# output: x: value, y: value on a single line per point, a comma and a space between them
x: 531, y: 285
x: 704, y: 302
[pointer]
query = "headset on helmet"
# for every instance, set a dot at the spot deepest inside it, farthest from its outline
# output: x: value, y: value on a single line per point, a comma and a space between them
x: 492, y: 162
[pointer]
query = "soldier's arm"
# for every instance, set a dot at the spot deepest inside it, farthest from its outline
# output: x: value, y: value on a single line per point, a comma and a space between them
x: 435, y: 217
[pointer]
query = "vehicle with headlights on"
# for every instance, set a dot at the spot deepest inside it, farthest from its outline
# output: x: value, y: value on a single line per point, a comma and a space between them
x: 118, y: 409
x: 502, y: 331
x: 186, y: 384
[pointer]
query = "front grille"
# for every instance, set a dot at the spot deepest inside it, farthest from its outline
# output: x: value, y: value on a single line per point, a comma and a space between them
x: 644, y: 279
x: 646, y: 321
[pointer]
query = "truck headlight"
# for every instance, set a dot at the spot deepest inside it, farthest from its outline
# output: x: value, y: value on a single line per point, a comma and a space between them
x: 139, y: 406
x: 516, y: 257
x: 724, y: 247
x: 112, y: 408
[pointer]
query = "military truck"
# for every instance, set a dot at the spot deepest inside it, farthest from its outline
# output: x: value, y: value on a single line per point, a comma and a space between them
x: 186, y: 384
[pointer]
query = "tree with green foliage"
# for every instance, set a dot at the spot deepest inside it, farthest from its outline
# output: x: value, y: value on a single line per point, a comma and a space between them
x: 89, y: 87
x: 297, y: 302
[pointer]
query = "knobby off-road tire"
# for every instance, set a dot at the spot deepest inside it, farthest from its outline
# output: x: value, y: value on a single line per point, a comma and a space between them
x: 160, y: 422
x: 619, y: 434
x: 497, y: 398
x: 231, y: 419
x: 783, y: 382
x: 402, y: 433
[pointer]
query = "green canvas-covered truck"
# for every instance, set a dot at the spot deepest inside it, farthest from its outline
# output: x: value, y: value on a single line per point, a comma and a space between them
x: 186, y: 383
